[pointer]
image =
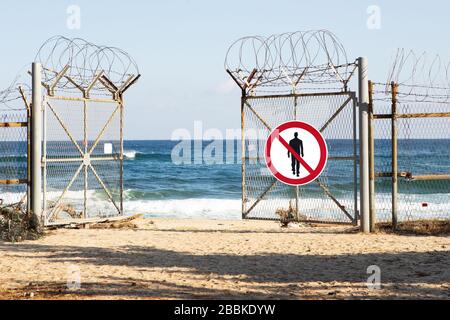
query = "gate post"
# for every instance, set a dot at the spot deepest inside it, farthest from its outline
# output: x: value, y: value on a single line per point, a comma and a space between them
x: 363, y: 105
x: 36, y: 141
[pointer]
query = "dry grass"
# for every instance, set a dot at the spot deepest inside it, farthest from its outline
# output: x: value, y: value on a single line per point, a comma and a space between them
x: 420, y: 227
x: 16, y: 225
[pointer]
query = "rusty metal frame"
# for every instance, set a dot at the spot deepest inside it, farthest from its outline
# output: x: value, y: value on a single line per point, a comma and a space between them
x: 394, y: 174
x: 87, y: 165
x: 246, y: 97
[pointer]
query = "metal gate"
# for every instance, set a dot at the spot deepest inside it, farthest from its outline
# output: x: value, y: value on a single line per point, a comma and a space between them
x: 82, y: 158
x: 303, y: 76
x: 332, y: 197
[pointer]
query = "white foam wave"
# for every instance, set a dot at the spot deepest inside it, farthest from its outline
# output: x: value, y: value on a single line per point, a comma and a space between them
x: 415, y: 206
x: 131, y: 154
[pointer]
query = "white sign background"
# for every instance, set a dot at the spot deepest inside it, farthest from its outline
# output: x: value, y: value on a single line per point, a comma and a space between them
x: 279, y: 153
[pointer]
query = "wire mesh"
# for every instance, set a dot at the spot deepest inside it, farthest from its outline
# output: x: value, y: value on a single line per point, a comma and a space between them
x: 82, y: 174
x: 13, y: 158
x: 424, y: 153
x: 333, y: 197
x: 423, y: 156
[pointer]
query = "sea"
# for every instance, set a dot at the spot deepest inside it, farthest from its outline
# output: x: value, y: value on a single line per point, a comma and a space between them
x: 158, y: 186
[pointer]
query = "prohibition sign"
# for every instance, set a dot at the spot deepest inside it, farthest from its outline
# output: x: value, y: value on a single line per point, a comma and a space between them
x: 296, y: 153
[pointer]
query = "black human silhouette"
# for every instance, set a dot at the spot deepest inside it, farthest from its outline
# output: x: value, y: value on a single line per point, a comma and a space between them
x: 297, y: 145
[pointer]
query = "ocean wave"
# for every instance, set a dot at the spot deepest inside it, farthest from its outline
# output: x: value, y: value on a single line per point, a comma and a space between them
x: 137, y: 155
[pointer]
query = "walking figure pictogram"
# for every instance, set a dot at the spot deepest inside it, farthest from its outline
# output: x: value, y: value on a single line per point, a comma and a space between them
x: 297, y: 145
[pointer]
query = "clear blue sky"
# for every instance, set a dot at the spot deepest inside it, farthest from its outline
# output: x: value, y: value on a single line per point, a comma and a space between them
x: 180, y: 45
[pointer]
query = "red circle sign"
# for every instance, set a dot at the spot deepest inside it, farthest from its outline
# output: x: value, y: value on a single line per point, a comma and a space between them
x: 283, y: 158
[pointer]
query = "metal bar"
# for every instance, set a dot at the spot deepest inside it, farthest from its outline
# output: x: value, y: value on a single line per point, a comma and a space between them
x: 243, y: 155
x: 335, y: 114
x: 62, y: 98
x: 336, y: 201
x: 121, y: 157
x: 261, y: 196
x: 389, y: 174
x: 430, y: 177
x: 51, y: 88
x: 372, y: 212
x: 44, y: 158
x: 297, y: 191
x: 382, y: 116
x: 337, y: 93
x: 104, y: 187
x: 425, y: 115
x: 13, y: 181
x: 394, y: 88
x: 92, y: 84
x: 81, y: 159
x: 65, y: 129
x: 235, y: 79
x: 363, y: 142
x: 85, y: 141
x: 13, y: 124
x: 355, y: 165
x: 304, y: 220
x: 126, y: 86
x: 36, y: 140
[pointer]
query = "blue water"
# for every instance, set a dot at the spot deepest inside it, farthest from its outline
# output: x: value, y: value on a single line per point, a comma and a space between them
x: 154, y: 185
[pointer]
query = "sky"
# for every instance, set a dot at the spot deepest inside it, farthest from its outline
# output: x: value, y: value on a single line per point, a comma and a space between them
x: 180, y: 45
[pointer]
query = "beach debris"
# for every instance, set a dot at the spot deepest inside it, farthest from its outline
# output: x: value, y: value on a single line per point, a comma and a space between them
x: 419, y: 227
x: 16, y: 225
x: 125, y: 223
x: 286, y: 215
x: 290, y: 217
x: 63, y: 208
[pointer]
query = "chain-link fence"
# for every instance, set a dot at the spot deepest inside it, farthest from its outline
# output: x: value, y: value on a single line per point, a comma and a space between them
x: 13, y: 149
x: 332, y: 197
x: 83, y: 156
x: 411, y: 156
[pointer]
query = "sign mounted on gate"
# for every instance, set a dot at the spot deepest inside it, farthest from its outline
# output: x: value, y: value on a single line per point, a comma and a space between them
x: 296, y: 153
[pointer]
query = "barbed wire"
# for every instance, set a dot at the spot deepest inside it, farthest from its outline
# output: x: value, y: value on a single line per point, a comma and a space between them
x: 85, y: 60
x: 289, y: 59
x: 421, y: 77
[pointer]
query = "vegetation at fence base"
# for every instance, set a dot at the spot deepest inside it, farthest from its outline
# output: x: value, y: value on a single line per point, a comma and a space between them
x: 17, y: 225
x: 288, y: 215
x: 419, y: 227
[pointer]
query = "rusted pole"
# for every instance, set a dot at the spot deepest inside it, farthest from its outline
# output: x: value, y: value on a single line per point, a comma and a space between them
x: 297, y: 191
x: 394, y: 88
x: 372, y: 211
x: 243, y: 152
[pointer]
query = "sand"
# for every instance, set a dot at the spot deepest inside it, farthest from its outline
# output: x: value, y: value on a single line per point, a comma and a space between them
x: 194, y: 259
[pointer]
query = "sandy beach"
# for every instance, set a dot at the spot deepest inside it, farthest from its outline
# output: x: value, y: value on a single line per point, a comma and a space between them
x: 194, y: 259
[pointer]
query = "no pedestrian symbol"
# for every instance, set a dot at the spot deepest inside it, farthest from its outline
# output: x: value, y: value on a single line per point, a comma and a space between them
x: 296, y: 153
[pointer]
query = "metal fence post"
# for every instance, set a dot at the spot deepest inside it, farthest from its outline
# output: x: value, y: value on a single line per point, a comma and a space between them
x: 36, y: 141
x: 394, y: 87
x: 363, y: 143
x: 373, y: 216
